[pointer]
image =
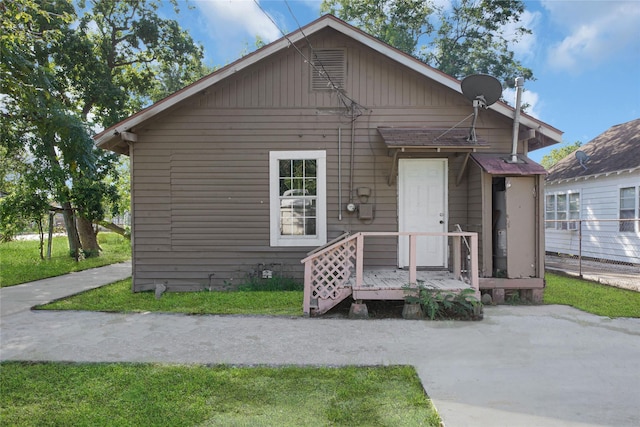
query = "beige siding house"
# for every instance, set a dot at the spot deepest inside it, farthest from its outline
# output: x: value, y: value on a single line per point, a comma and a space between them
x: 325, y: 132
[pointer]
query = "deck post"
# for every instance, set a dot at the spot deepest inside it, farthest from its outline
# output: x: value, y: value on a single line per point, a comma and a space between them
x: 412, y: 259
x: 473, y: 274
x: 306, y: 303
x: 455, y: 243
x: 359, y: 259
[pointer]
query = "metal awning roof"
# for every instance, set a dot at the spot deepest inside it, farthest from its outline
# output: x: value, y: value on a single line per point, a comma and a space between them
x: 422, y: 139
x: 497, y: 164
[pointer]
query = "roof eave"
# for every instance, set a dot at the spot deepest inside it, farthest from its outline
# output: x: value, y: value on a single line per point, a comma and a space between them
x: 328, y: 21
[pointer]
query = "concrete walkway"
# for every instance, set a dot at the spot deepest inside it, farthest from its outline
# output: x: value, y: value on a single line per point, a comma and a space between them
x: 520, y: 366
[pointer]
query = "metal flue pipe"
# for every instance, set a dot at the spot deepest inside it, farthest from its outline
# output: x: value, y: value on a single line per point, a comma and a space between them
x: 516, y: 120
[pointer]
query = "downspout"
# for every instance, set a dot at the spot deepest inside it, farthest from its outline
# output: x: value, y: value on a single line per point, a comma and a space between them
x: 353, y: 150
x: 339, y: 174
x: 516, y: 120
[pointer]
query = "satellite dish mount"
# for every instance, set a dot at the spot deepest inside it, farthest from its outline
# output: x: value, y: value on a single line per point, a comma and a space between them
x: 582, y: 158
x: 482, y: 90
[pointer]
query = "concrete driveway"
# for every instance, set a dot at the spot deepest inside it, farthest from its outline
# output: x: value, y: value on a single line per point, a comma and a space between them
x: 520, y: 366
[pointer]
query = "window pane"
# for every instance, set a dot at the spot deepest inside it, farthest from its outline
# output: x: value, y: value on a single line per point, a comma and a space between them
x: 627, y: 198
x: 627, y: 208
x: 285, y: 168
x: 574, y: 208
x: 310, y: 227
x: 551, y: 203
x: 310, y: 186
x: 310, y: 168
x: 562, y: 203
x: 298, y: 191
x: 550, y: 211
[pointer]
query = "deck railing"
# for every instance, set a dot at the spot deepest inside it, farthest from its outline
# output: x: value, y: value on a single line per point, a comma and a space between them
x: 327, y: 271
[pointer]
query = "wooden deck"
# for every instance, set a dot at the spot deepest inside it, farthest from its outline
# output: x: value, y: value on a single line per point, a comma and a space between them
x: 336, y: 272
x: 390, y: 284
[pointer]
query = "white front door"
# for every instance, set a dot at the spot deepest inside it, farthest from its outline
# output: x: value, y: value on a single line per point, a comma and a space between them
x: 422, y: 201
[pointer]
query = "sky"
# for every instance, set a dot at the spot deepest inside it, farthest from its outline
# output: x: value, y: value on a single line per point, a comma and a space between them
x: 585, y: 54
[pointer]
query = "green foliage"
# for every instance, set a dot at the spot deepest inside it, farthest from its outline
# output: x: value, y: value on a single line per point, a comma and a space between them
x: 438, y: 304
x: 20, y: 262
x: 63, y: 75
x: 466, y: 38
x: 591, y: 297
x: 557, y: 154
x: 399, y: 23
x: 176, y: 395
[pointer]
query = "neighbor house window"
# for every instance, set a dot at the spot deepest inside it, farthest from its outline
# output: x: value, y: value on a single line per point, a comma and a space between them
x: 574, y: 210
x: 564, y: 208
x: 298, y: 198
x: 629, y: 208
x: 550, y: 211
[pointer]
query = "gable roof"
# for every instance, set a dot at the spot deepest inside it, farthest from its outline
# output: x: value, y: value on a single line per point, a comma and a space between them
x: 110, y: 138
x: 616, y: 150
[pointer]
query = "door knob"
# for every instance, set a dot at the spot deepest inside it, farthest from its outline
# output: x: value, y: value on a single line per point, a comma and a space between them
x: 441, y: 222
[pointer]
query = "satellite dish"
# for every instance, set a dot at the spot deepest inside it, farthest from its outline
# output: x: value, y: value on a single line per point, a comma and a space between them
x: 481, y: 87
x: 582, y: 158
x: 483, y: 90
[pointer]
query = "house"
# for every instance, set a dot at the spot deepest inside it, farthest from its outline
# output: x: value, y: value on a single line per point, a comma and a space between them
x: 315, y: 143
x: 593, y: 196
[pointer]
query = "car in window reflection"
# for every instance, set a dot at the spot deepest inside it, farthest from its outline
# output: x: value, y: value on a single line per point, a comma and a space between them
x: 293, y: 201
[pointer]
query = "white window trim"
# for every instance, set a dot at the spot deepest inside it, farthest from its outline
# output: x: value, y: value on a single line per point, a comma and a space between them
x: 636, y: 207
x: 572, y: 224
x: 321, y: 202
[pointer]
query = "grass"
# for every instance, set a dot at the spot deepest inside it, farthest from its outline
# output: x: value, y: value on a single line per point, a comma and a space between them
x: 591, y: 297
x: 35, y: 394
x: 20, y: 260
x: 119, y: 298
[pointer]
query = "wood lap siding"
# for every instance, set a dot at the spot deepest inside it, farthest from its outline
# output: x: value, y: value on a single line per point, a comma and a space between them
x: 201, y: 171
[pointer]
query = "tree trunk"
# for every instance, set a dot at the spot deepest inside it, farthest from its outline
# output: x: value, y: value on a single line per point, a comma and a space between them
x: 88, y: 237
x: 72, y: 231
x: 115, y: 228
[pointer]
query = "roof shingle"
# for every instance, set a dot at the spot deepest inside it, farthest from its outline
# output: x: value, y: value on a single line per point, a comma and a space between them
x: 617, y: 149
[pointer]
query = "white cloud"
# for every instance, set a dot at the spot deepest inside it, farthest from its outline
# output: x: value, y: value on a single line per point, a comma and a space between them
x: 525, y: 48
x: 235, y: 22
x: 597, y: 31
x: 529, y: 98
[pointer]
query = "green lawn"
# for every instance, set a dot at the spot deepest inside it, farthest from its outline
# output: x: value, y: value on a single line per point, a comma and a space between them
x: 118, y: 297
x: 20, y: 260
x: 592, y: 297
x: 587, y: 296
x: 64, y: 394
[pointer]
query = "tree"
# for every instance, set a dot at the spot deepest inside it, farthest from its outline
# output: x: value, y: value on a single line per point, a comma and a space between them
x: 467, y: 38
x: 64, y: 75
x: 557, y: 154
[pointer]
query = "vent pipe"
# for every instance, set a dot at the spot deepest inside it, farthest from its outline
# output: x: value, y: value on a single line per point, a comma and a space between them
x: 516, y: 120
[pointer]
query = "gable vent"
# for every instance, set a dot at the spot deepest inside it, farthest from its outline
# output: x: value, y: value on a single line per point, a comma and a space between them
x: 328, y: 69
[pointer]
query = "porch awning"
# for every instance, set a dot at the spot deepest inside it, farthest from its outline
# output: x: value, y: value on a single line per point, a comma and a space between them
x: 422, y: 139
x: 497, y: 164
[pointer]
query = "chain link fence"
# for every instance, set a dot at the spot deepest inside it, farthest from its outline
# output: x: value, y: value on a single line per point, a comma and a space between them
x: 597, y: 247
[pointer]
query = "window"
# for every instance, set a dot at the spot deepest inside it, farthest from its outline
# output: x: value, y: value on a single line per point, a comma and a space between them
x: 298, y: 198
x: 550, y: 211
x: 629, y: 208
x: 574, y: 210
x: 564, y: 208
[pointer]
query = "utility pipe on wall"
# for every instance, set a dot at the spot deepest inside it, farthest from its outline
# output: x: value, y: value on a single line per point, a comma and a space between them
x: 339, y: 174
x: 516, y: 120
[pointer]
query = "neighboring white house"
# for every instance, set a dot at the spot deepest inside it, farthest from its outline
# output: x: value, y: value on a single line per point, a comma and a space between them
x: 599, y: 185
